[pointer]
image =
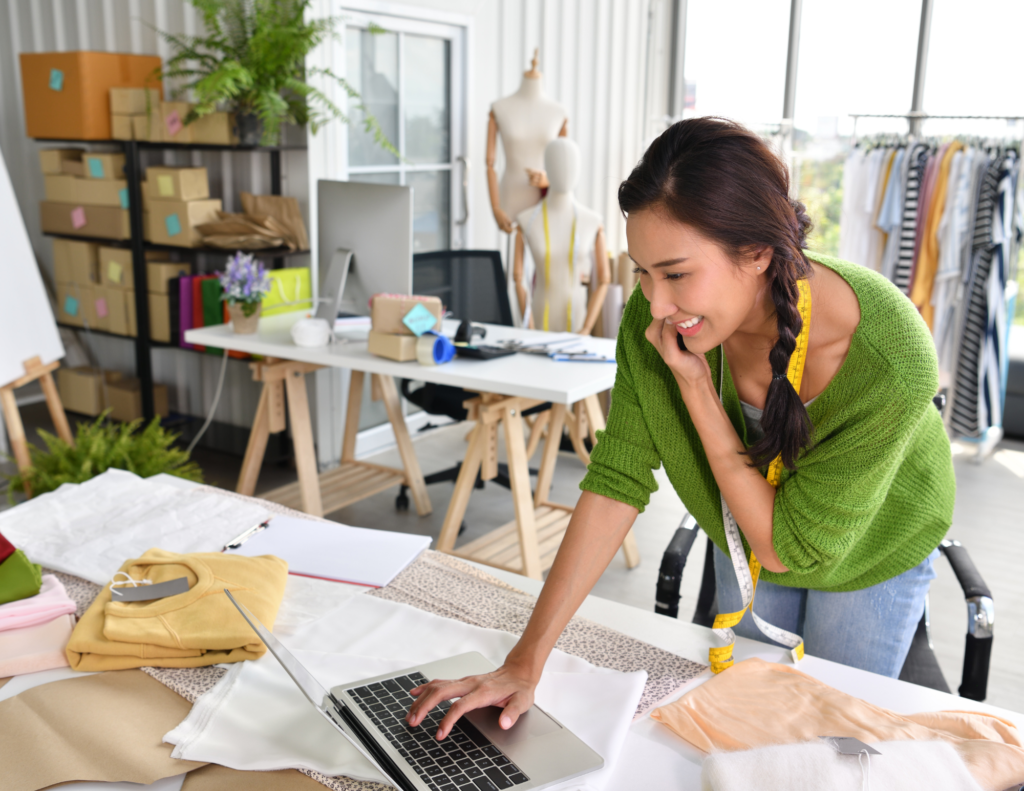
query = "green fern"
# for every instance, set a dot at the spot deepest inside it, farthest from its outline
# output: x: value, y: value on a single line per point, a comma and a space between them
x: 252, y: 60
x: 100, y: 446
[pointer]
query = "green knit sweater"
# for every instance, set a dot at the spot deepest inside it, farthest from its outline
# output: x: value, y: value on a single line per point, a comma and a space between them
x: 873, y: 495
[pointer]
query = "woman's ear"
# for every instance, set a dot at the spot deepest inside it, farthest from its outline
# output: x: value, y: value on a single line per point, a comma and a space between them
x: 763, y: 259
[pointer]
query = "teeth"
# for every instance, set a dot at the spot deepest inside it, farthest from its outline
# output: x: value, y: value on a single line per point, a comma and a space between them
x: 691, y: 323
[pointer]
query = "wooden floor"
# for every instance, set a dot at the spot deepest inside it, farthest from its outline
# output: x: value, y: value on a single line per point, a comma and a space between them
x: 989, y: 521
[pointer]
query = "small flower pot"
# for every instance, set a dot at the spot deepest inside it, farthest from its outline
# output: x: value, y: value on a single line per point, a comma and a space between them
x: 242, y: 324
x: 249, y: 128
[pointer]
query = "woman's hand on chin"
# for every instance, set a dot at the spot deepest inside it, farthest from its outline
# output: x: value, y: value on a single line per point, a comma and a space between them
x: 688, y: 368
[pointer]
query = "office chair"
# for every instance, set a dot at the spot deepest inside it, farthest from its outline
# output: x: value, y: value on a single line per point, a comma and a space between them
x: 921, y: 666
x: 471, y: 286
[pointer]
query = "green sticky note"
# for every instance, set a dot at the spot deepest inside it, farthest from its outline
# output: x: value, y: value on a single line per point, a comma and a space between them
x: 173, y: 224
x: 95, y: 167
x: 122, y: 194
x: 56, y: 80
x: 70, y: 305
x: 419, y: 320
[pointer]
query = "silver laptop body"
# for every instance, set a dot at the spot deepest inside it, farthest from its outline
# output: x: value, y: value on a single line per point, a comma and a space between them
x: 477, y: 755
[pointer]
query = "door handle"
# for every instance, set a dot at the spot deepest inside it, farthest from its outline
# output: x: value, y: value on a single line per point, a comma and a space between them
x: 465, y: 190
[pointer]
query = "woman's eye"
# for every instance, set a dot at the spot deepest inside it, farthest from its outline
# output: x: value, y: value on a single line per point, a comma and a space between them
x: 675, y: 276
x: 637, y: 270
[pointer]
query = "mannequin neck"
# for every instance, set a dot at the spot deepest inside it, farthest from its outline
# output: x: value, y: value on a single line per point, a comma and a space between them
x: 559, y: 200
x: 531, y: 88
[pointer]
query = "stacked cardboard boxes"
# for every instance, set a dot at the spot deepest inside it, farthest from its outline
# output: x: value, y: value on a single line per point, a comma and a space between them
x: 136, y: 116
x: 159, y: 275
x: 94, y: 286
x: 176, y: 200
x: 117, y: 290
x: 391, y: 335
x: 88, y: 391
x: 86, y: 194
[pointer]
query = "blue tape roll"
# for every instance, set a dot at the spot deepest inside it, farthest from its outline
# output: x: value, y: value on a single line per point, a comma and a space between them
x: 433, y: 348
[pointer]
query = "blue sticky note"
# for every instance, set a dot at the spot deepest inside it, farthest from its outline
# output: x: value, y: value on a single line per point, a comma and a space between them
x: 122, y: 194
x: 70, y: 305
x: 419, y: 320
x: 56, y: 80
x: 95, y: 167
x: 173, y: 224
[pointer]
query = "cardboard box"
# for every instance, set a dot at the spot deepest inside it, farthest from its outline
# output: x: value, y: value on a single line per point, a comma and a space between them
x: 51, y: 160
x: 121, y: 127
x: 61, y: 187
x: 133, y: 322
x: 104, y: 166
x: 124, y: 398
x: 76, y: 305
x: 147, y: 127
x: 105, y: 222
x: 173, y: 222
x: 160, y: 318
x: 83, y: 389
x: 172, y: 116
x: 90, y: 192
x: 100, y: 309
x: 159, y: 273
x: 67, y: 94
x: 401, y: 348
x: 388, y: 310
x: 75, y: 262
x: 133, y: 101
x: 215, y: 129
x: 117, y: 310
x: 116, y: 268
x: 179, y: 184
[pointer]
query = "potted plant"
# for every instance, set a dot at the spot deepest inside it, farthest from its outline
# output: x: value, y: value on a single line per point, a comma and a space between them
x: 100, y: 446
x: 252, y: 60
x: 245, y: 282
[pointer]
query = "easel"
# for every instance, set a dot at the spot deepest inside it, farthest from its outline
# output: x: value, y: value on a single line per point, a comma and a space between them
x: 34, y: 369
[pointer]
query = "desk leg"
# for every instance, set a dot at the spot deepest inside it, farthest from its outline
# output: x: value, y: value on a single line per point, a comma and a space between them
x: 413, y: 473
x: 257, y: 446
x: 536, y: 432
x: 355, y: 403
x: 519, y: 477
x: 302, y: 440
x: 578, y: 430
x: 546, y: 471
x: 463, y: 489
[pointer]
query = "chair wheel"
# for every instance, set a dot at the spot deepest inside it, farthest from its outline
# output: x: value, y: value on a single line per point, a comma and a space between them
x: 402, y: 502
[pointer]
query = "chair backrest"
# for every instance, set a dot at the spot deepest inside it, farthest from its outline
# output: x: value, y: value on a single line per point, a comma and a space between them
x: 470, y: 283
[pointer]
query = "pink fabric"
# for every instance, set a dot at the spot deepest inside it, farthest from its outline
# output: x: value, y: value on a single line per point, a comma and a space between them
x: 51, y: 601
x: 35, y: 648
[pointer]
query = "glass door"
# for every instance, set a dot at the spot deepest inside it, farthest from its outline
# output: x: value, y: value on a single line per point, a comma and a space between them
x: 411, y: 77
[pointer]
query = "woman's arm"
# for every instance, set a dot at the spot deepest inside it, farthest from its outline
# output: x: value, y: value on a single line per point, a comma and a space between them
x: 596, y: 530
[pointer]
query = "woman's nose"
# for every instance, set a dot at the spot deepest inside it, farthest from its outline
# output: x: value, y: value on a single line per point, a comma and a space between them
x: 662, y: 305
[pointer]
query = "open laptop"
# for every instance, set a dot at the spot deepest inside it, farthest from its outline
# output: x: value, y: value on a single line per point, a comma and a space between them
x: 477, y: 755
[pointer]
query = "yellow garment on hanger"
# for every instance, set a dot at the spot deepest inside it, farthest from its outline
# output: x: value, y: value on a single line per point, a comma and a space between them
x: 194, y: 629
x: 928, y: 258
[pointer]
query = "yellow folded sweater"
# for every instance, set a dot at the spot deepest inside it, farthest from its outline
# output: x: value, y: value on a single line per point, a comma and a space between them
x: 194, y: 629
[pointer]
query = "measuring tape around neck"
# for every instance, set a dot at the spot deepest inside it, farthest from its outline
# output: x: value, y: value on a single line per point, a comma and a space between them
x: 747, y: 572
x: 547, y: 267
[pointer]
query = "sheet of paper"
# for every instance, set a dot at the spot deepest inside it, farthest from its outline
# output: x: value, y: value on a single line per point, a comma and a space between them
x: 336, y: 551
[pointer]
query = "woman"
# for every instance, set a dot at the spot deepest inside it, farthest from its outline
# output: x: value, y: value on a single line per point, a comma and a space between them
x: 865, y: 479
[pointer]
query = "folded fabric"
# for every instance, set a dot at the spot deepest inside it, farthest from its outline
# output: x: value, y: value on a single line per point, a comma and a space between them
x: 88, y: 529
x: 35, y: 648
x: 813, y: 766
x: 19, y: 577
x: 51, y: 601
x: 194, y: 629
x: 6, y: 548
x: 757, y: 704
x: 256, y: 718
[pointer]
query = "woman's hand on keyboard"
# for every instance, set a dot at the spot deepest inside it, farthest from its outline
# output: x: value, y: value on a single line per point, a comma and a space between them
x: 507, y: 687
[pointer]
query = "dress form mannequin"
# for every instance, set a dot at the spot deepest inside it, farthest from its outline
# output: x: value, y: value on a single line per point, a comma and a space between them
x: 563, y: 254
x: 527, y: 121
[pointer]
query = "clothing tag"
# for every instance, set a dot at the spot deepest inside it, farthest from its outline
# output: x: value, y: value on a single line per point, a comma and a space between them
x: 78, y: 217
x: 165, y: 186
x: 847, y: 745
x: 122, y: 195
x: 95, y: 167
x: 173, y: 224
x: 173, y: 123
x: 114, y: 271
x: 419, y: 320
x: 56, y: 80
x: 160, y: 590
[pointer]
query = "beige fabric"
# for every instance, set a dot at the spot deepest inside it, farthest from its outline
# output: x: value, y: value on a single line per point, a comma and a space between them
x: 220, y: 778
x: 108, y: 727
x: 757, y: 703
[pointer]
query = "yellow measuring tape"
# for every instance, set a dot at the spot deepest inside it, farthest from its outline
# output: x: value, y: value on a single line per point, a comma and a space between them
x: 547, y: 266
x: 747, y: 573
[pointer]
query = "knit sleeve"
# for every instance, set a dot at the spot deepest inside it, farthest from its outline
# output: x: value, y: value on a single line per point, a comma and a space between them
x: 826, y: 506
x: 623, y: 461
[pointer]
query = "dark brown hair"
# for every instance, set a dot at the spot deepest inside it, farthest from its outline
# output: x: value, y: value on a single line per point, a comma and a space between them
x: 725, y: 182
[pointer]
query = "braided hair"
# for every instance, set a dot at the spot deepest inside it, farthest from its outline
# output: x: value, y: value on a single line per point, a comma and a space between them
x: 723, y: 181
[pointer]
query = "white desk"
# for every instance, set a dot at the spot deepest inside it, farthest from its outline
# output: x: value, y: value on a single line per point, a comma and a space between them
x: 507, y: 386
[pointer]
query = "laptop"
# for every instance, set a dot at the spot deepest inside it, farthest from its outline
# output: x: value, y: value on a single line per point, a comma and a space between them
x: 477, y: 755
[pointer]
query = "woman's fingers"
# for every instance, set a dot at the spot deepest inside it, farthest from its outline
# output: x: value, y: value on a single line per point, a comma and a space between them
x: 514, y: 708
x: 474, y: 700
x: 430, y: 694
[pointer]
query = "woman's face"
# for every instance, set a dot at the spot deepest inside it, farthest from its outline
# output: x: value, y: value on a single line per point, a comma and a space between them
x: 691, y: 282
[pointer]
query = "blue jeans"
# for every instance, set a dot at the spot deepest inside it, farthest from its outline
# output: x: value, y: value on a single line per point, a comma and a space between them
x: 870, y: 629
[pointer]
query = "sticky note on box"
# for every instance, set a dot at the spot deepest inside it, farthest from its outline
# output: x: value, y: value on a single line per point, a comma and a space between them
x: 122, y: 195
x: 173, y: 224
x: 78, y: 217
x: 101, y: 307
x: 70, y: 305
x: 173, y: 123
x: 419, y: 320
x: 165, y: 186
x: 56, y: 80
x: 95, y: 167
x: 114, y: 271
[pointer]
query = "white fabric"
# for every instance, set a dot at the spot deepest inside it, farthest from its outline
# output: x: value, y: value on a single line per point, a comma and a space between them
x: 90, y: 529
x: 256, y: 718
x: 814, y: 766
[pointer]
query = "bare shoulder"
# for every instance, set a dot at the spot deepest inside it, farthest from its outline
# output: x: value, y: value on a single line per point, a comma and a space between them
x: 834, y: 307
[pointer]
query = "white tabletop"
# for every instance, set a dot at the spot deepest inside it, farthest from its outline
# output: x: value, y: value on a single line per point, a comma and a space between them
x: 526, y: 375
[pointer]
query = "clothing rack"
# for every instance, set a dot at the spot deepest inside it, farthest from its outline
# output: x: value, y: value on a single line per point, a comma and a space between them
x: 1001, y: 148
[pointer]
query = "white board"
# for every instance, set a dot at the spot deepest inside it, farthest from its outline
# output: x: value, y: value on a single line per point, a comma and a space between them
x: 27, y: 326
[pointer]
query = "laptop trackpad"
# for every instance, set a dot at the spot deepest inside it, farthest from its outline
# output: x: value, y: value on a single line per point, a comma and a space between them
x: 530, y: 725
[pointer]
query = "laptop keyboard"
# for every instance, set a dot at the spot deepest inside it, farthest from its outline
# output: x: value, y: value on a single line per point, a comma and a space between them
x: 465, y: 761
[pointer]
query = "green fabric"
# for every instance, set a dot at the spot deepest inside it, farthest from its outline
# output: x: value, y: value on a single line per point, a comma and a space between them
x: 869, y: 500
x: 19, y: 578
x: 213, y: 308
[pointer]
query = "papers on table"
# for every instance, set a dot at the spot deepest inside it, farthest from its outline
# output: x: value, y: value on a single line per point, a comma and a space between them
x: 335, y: 551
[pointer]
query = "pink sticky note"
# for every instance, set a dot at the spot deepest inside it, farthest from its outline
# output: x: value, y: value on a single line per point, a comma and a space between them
x: 78, y: 217
x: 101, y: 307
x: 173, y: 123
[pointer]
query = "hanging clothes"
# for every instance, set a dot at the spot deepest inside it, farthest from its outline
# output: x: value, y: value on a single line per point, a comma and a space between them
x: 917, y: 160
